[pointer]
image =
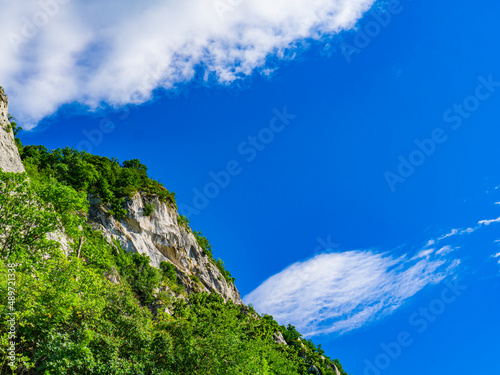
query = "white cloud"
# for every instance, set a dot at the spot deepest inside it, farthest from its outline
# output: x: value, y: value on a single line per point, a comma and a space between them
x: 468, y: 230
x: 452, y: 233
x: 118, y: 51
x: 488, y: 222
x: 444, y: 250
x: 339, y: 292
x: 423, y: 253
x: 459, y: 232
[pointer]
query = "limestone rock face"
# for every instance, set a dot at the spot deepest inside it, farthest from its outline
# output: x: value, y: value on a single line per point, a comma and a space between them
x: 334, y: 368
x: 161, y: 238
x: 279, y: 339
x: 9, y: 155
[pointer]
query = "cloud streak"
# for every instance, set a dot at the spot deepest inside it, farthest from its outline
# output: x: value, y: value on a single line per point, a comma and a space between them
x: 340, y: 292
x: 488, y: 222
x: 117, y: 52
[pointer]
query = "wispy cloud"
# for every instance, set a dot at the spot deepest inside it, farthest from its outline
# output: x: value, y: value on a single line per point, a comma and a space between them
x: 343, y: 291
x: 452, y: 233
x: 423, y: 253
x: 468, y: 230
x: 339, y: 292
x: 118, y: 51
x: 444, y: 250
x: 488, y: 222
x: 455, y: 232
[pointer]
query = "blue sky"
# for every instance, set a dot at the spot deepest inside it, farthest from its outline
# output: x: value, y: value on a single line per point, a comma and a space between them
x: 306, y: 218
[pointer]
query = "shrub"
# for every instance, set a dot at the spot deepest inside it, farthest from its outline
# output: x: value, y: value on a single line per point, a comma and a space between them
x: 149, y: 208
x: 96, y: 175
x: 204, y: 244
x: 183, y: 221
x: 227, y: 275
x: 143, y: 278
x: 13, y: 125
x: 168, y: 271
x: 195, y: 278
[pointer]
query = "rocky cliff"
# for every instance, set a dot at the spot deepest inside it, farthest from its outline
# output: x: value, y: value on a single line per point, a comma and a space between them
x: 9, y: 155
x: 162, y: 238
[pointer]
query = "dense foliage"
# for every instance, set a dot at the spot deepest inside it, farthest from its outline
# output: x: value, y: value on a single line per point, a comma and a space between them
x: 183, y: 221
x: 105, y: 179
x: 96, y: 175
x: 89, y: 307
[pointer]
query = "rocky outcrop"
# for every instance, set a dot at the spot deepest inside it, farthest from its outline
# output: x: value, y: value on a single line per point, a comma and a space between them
x: 9, y: 155
x: 279, y: 339
x: 334, y: 368
x: 162, y: 238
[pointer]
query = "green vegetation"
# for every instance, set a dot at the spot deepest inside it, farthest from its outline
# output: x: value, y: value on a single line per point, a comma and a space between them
x: 168, y: 271
x: 195, y: 278
x: 105, y: 179
x: 149, y: 208
x: 100, y: 176
x: 142, y: 278
x: 204, y: 244
x: 183, y: 221
x: 227, y: 275
x: 90, y: 307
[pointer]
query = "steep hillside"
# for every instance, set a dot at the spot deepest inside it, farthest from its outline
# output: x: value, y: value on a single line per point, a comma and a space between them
x: 161, y: 237
x: 110, y: 279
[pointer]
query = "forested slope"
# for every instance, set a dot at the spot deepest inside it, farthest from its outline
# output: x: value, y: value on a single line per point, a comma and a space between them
x: 81, y: 304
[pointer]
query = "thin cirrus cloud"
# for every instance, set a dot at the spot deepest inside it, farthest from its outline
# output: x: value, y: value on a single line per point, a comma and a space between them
x: 118, y: 51
x: 497, y: 255
x: 343, y: 291
x: 340, y: 292
x: 488, y: 222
